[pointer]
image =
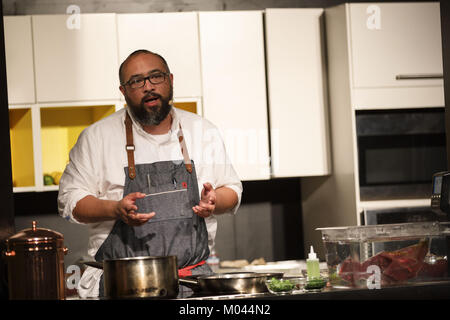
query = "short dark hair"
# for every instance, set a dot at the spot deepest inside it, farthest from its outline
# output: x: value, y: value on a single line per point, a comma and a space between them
x: 137, y: 52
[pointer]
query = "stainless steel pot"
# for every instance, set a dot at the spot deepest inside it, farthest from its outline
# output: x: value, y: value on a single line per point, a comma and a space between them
x: 139, y: 277
x: 230, y: 283
x: 35, y: 258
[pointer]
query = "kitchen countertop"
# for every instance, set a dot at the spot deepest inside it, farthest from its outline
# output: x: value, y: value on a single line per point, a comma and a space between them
x: 419, y: 290
x: 435, y: 290
x: 287, y: 267
x: 422, y: 291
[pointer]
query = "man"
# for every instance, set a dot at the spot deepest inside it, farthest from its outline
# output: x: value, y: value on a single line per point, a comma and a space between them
x: 135, y: 177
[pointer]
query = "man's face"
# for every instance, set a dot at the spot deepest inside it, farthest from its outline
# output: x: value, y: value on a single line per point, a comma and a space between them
x: 149, y: 104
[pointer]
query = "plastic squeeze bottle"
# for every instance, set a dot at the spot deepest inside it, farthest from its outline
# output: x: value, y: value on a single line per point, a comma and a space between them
x: 312, y: 265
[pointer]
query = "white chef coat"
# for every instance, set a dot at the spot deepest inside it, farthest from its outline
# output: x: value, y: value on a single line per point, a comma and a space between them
x: 98, y: 159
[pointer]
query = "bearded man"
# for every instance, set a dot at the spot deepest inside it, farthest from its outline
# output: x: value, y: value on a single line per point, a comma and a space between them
x: 142, y: 184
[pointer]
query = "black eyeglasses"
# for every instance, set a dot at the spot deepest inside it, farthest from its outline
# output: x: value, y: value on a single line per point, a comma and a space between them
x: 154, y: 78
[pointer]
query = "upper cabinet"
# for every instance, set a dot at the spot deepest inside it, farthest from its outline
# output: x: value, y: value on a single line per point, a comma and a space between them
x: 172, y: 35
x: 396, y: 54
x: 396, y: 45
x: 75, y: 57
x: 19, y: 59
x: 297, y: 95
x: 234, y: 87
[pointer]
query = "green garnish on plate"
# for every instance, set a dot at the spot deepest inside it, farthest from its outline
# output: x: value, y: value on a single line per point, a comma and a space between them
x: 316, y: 283
x: 280, y: 285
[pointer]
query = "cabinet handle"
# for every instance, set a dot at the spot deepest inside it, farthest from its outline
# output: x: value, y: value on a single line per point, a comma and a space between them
x: 419, y: 76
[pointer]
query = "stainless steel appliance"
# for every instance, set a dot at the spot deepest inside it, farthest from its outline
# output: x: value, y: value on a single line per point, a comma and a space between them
x: 440, y: 202
x: 399, y: 151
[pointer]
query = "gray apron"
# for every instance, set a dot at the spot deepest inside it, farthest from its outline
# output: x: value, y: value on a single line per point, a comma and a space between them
x: 172, y: 191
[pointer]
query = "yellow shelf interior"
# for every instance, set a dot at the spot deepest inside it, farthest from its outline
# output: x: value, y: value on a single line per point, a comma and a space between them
x: 188, y: 106
x: 21, y: 137
x: 60, y: 128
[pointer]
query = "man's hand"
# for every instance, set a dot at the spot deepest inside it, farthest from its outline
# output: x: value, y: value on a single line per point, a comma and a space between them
x: 126, y: 210
x: 207, y: 203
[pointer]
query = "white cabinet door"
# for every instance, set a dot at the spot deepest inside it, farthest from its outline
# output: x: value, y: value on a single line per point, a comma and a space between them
x: 172, y: 35
x: 234, y: 87
x: 19, y: 59
x: 389, y: 40
x: 296, y: 82
x: 75, y: 61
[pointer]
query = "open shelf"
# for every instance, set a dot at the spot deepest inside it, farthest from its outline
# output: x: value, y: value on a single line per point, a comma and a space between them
x: 21, y: 137
x: 188, y: 106
x: 60, y: 128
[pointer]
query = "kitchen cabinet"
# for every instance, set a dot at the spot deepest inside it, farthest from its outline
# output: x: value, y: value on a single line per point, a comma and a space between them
x: 403, y: 40
x: 362, y: 64
x: 297, y: 92
x: 172, y: 35
x: 19, y: 59
x: 77, y: 84
x: 76, y: 62
x: 234, y: 87
x: 219, y: 64
x: 395, y: 53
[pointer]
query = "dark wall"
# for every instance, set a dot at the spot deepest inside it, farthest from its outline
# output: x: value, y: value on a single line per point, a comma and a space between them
x: 6, y: 196
x: 22, y: 7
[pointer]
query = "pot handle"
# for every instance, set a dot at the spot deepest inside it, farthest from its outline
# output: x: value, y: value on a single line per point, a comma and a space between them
x: 190, y: 283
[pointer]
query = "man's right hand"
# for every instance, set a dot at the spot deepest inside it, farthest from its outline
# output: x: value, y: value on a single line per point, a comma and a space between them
x: 126, y: 210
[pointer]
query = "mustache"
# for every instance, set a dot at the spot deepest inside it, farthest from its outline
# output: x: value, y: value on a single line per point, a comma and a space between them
x: 151, y: 95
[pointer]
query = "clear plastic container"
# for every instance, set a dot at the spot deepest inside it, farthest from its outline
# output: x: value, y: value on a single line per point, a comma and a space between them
x: 385, y: 255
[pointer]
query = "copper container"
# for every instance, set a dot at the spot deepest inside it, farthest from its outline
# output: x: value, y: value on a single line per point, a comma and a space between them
x: 35, y: 258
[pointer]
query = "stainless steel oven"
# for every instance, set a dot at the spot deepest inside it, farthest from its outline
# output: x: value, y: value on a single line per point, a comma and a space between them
x: 399, y: 151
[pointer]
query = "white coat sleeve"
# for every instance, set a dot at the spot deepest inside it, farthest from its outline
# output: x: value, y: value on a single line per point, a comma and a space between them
x: 80, y: 178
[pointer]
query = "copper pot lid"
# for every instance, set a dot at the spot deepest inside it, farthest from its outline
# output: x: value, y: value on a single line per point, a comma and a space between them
x: 35, y: 235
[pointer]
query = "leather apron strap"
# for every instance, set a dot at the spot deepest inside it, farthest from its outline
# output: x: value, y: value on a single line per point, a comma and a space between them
x: 130, y: 148
x: 187, y: 160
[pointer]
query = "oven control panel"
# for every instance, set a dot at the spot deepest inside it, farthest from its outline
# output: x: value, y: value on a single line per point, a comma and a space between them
x: 440, y: 201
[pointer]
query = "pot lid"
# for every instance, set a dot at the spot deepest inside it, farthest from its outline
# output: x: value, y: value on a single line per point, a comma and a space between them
x: 34, y: 235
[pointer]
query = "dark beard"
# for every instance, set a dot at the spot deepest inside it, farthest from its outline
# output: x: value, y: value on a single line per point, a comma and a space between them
x: 155, y: 115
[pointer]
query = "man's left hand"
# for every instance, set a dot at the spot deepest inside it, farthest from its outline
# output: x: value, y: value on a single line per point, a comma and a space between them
x: 207, y: 203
